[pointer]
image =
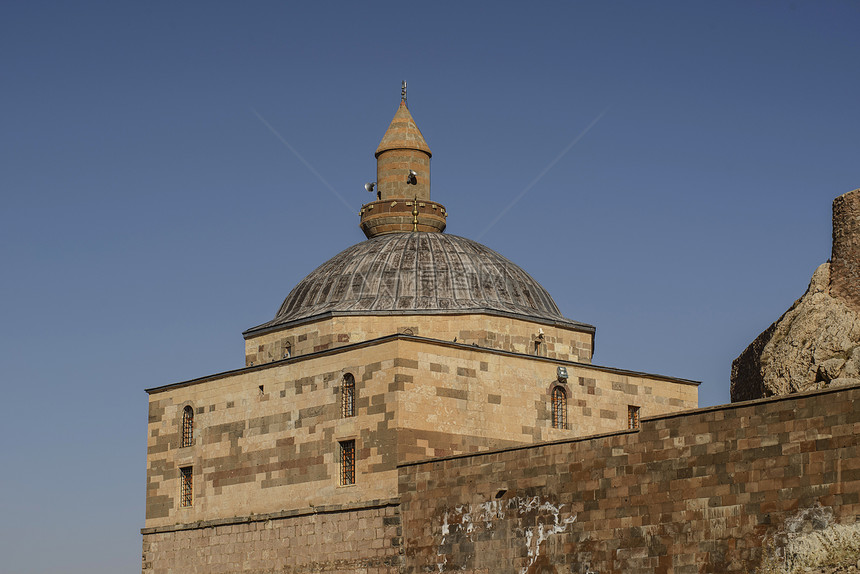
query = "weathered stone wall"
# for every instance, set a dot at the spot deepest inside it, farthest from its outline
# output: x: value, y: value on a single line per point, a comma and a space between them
x: 490, y: 331
x: 688, y: 493
x: 276, y: 448
x: 454, y: 399
x: 340, y: 540
x: 845, y: 257
x: 747, y: 375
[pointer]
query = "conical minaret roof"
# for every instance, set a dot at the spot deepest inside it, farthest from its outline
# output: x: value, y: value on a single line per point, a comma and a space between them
x: 403, y: 133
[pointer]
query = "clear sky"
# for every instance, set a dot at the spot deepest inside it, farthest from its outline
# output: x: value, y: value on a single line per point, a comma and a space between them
x: 149, y: 215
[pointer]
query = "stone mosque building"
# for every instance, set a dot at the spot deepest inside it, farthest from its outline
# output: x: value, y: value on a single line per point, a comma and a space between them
x: 399, y: 355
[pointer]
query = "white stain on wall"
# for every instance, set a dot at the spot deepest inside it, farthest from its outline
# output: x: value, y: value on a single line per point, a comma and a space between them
x: 544, y: 518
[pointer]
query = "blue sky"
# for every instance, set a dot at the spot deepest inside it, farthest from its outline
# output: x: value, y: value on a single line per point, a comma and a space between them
x: 149, y: 216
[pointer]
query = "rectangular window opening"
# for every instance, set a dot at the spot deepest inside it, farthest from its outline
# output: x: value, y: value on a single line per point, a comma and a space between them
x: 632, y: 417
x: 347, y: 462
x: 186, y: 486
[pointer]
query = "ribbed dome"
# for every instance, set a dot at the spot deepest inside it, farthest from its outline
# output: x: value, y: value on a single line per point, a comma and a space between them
x: 417, y: 273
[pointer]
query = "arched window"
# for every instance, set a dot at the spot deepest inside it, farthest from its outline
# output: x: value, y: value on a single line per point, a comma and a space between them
x: 187, y: 426
x: 347, y: 396
x: 559, y: 408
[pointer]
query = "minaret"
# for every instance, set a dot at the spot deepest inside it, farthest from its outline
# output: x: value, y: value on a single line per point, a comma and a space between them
x: 402, y: 182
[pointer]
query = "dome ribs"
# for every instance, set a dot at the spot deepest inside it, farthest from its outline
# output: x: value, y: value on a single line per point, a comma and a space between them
x: 444, y: 277
x: 461, y: 283
x: 406, y: 278
x: 441, y: 274
x: 417, y: 272
x: 425, y: 273
x: 381, y: 275
x: 357, y: 280
x: 499, y: 293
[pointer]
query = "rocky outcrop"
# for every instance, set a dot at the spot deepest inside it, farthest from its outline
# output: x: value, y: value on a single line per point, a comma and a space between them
x: 812, y: 542
x: 816, y: 343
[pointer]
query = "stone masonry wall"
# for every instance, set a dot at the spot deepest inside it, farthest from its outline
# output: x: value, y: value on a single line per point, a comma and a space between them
x: 703, y: 491
x: 845, y: 256
x: 490, y: 331
x: 457, y: 399
x: 266, y: 438
x: 338, y: 540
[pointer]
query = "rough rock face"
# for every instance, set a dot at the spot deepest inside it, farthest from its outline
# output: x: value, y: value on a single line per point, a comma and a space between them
x: 816, y: 343
x: 811, y: 542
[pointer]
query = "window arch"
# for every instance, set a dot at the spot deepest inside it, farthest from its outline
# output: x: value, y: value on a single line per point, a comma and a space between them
x: 187, y: 426
x: 347, y: 396
x: 559, y: 408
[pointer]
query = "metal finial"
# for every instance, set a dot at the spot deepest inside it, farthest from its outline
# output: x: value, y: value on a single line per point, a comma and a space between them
x: 403, y: 91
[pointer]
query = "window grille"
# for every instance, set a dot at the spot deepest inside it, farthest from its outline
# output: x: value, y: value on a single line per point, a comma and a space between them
x: 347, y: 462
x: 632, y: 417
x: 347, y: 405
x: 186, y: 487
x: 187, y: 426
x: 559, y: 408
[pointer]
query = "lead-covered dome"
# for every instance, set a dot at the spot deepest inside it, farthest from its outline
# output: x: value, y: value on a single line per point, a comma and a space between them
x: 417, y: 273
